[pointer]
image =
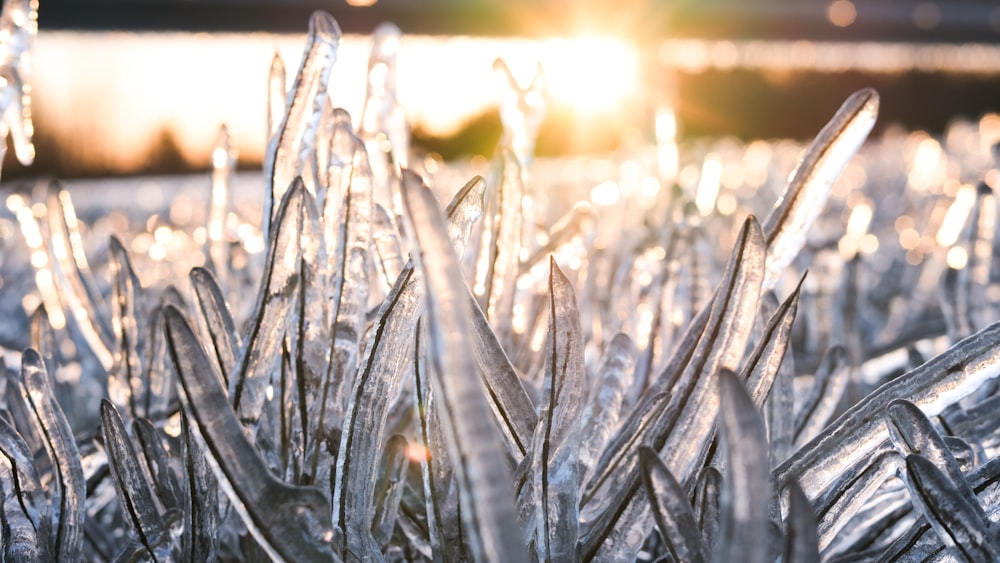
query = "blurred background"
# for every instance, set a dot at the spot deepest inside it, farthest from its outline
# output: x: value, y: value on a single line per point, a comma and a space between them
x: 142, y: 86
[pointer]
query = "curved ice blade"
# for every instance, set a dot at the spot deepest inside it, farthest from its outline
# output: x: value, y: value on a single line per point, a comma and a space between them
x: 216, y: 322
x: 379, y: 378
x: 860, y: 432
x: 746, y: 492
x: 61, y: 447
x: 281, y: 281
x: 389, y: 489
x: 290, y: 523
x: 829, y: 383
x: 23, y: 493
x: 158, y: 462
x: 959, y: 523
x: 288, y: 151
x: 671, y: 509
x: 555, y: 444
x: 220, y: 200
x: 485, y: 491
x: 601, y: 416
x: 809, y: 184
x: 125, y: 380
x: 384, y: 128
x: 801, y: 544
x: 135, y: 494
x: 277, y: 95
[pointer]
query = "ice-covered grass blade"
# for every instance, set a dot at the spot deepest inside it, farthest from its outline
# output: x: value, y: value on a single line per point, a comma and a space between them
x: 852, y: 439
x: 684, y: 424
x: 135, y: 494
x: 473, y: 442
x: 157, y: 460
x: 959, y: 523
x: 348, y: 250
x: 671, y: 510
x: 555, y: 471
x: 809, y: 184
x: 281, y: 280
x: 288, y: 151
x: 62, y: 451
x: 126, y: 385
x: 746, y: 492
x: 216, y: 322
x: 291, y: 523
x: 602, y: 414
x: 379, y: 378
x: 24, y: 503
x: 801, y: 543
x: 389, y: 489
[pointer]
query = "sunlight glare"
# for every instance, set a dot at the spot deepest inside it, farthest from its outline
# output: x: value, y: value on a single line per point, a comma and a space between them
x: 591, y: 74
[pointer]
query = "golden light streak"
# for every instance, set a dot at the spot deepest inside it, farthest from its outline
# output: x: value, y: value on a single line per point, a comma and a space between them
x: 708, y: 184
x: 957, y: 214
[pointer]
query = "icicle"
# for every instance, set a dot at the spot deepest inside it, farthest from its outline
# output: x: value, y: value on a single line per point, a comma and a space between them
x: 521, y: 110
x: 18, y: 27
x: 383, y: 127
x: 223, y: 163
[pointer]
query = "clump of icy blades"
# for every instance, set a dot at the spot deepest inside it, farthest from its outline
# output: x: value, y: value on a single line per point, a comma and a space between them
x: 473, y: 402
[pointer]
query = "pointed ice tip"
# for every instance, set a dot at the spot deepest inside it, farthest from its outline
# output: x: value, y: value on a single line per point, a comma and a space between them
x: 341, y: 117
x: 323, y: 26
x: 387, y: 28
x: 107, y: 409
x: 866, y: 98
x: 411, y: 178
x: 31, y: 358
x: 732, y: 387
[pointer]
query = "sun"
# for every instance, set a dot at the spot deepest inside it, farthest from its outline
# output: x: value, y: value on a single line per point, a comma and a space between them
x: 591, y: 74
